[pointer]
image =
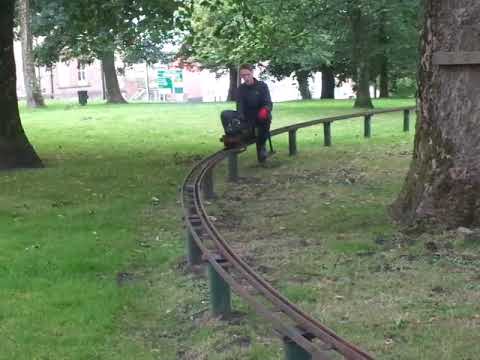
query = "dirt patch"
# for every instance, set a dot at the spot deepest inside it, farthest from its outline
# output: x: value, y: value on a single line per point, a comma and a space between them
x: 125, y: 278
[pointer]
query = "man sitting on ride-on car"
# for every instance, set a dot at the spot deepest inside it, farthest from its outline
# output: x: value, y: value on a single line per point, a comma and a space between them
x: 254, y: 108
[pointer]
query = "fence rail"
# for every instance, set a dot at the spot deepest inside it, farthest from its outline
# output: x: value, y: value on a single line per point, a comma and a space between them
x: 367, y: 115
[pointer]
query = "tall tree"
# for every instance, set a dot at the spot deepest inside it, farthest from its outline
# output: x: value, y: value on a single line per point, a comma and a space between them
x: 15, y: 149
x: 216, y: 36
x: 113, y: 94
x: 32, y: 86
x: 232, y: 89
x: 328, y: 83
x: 297, y: 45
x: 383, y: 62
x: 89, y: 29
x: 302, y: 77
x: 224, y: 34
x: 341, y: 35
x: 443, y: 184
x: 397, y: 24
x: 361, y: 55
x: 371, y: 37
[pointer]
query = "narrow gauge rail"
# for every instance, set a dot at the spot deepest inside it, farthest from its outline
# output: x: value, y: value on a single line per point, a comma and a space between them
x: 294, y: 325
x: 304, y: 337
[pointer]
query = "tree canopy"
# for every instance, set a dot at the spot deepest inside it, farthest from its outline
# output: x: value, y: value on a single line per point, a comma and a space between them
x: 88, y: 29
x: 361, y: 40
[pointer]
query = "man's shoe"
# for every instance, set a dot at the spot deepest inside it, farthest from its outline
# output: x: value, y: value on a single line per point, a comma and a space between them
x: 262, y: 154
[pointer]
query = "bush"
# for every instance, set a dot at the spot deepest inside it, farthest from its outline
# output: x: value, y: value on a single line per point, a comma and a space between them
x: 404, y: 87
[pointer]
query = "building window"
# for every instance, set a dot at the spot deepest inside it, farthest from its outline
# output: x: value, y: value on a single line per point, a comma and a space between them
x: 81, y: 72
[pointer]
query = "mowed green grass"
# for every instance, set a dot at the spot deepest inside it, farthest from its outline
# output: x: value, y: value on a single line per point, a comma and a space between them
x: 90, y: 245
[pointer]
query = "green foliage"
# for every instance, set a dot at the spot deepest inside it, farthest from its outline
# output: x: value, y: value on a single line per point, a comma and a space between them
x: 86, y: 29
x: 219, y: 34
x: 304, y: 35
x: 389, y: 30
x: 405, y: 87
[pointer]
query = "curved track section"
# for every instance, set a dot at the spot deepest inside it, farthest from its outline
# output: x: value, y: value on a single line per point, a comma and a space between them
x: 287, y: 319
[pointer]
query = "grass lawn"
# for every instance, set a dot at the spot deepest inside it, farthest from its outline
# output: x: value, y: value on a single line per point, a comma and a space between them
x: 91, y: 265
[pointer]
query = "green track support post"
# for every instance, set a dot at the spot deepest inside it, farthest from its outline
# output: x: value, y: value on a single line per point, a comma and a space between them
x: 294, y: 351
x: 367, y: 126
x: 292, y: 142
x: 208, y: 192
x: 194, y: 253
x: 220, y: 299
x: 406, y: 120
x: 327, y: 135
x: 232, y: 166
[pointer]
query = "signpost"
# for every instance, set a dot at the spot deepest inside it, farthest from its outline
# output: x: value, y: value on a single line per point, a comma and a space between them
x: 171, y: 81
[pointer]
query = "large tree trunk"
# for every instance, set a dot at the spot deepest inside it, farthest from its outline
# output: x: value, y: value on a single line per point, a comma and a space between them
x: 302, y: 78
x: 363, y: 99
x: 15, y: 149
x: 232, y: 88
x: 361, y: 57
x: 113, y: 93
x: 328, y: 83
x: 32, y: 86
x: 443, y: 184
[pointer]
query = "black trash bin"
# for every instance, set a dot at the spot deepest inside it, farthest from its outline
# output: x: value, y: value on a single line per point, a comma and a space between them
x: 82, y: 97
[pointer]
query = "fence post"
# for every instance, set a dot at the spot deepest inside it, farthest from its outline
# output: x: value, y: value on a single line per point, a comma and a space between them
x: 208, y: 192
x: 220, y: 300
x: 406, y: 120
x: 232, y: 166
x: 194, y: 253
x: 327, y: 136
x: 367, y: 130
x: 292, y: 142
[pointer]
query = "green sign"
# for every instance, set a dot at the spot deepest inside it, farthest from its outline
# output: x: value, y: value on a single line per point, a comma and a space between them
x: 165, y: 83
x: 166, y: 79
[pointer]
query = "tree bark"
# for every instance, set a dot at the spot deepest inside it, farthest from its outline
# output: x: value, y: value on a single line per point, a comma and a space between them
x: 384, y: 66
x: 32, y: 86
x: 328, y: 83
x: 363, y: 98
x: 15, y: 149
x: 232, y: 88
x: 443, y: 184
x: 361, y: 57
x: 52, y: 86
x: 303, y: 87
x: 113, y: 93
x: 384, y: 79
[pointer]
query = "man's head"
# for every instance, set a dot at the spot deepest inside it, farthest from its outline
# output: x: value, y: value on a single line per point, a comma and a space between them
x: 246, y: 74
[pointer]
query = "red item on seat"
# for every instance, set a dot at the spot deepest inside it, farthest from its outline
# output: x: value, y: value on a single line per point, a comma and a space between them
x: 263, y: 113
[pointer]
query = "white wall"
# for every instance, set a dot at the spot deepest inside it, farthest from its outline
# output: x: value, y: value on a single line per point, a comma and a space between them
x: 215, y: 89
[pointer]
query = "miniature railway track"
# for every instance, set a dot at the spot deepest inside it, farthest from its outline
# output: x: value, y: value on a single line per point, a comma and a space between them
x: 287, y: 319
x: 303, y: 336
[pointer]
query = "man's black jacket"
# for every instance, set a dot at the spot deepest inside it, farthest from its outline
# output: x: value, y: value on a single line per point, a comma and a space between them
x: 251, y: 98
